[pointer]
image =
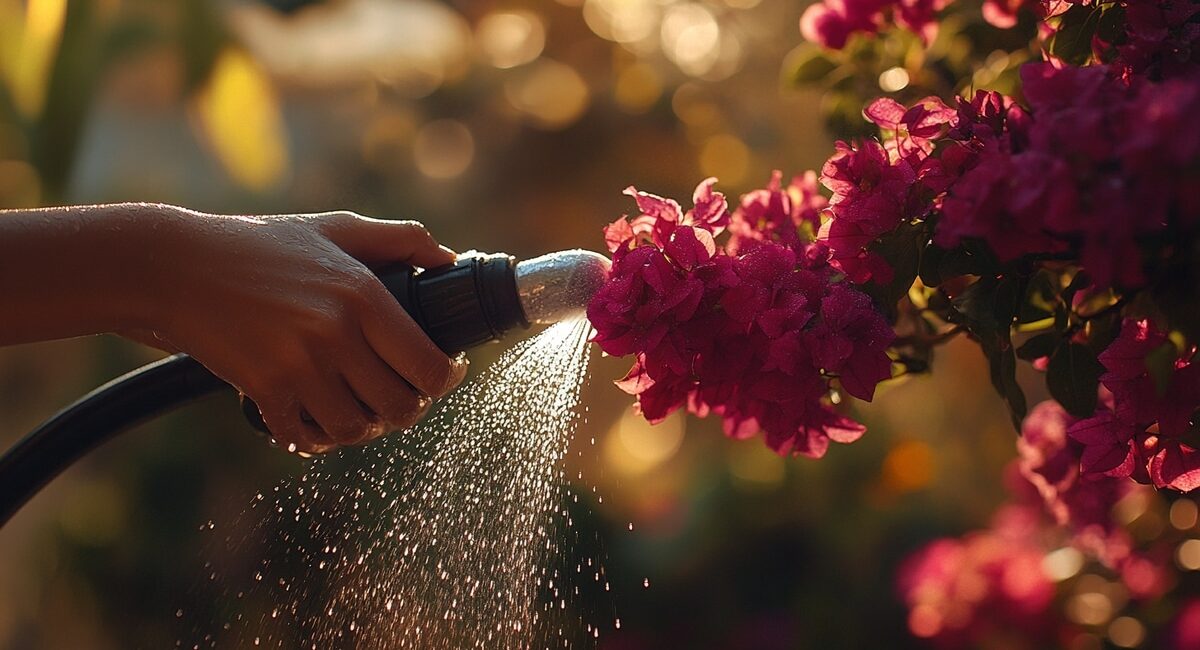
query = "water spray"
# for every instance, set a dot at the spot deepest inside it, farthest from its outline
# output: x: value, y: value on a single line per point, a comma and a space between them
x: 476, y: 300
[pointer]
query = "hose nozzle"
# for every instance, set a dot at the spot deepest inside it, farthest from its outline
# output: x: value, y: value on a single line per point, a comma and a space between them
x: 481, y: 296
x: 558, y: 286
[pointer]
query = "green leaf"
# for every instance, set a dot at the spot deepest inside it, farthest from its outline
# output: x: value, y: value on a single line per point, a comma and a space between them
x: 939, y: 264
x: 1160, y: 365
x: 901, y: 249
x: 807, y: 63
x: 1111, y: 27
x: 1073, y: 40
x: 1009, y: 291
x: 1081, y: 281
x: 1073, y: 376
x: 1040, y: 299
x: 987, y: 308
x: 975, y: 305
x: 1002, y: 366
x: 1102, y: 331
x: 1042, y: 345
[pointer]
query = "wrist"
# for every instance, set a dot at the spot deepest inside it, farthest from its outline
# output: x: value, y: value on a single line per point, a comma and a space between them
x: 137, y: 256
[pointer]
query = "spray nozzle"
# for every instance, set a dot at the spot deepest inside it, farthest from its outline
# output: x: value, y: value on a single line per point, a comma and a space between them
x: 481, y: 296
x: 558, y: 286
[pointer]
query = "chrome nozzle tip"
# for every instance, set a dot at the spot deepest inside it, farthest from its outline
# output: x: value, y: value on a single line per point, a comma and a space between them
x: 558, y: 286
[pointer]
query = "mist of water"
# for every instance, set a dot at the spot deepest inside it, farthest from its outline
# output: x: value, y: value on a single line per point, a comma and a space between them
x: 450, y: 535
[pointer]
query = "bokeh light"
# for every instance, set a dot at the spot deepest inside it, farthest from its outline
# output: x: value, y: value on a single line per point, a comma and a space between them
x: 633, y: 446
x: 1126, y: 632
x: 691, y: 37
x: 638, y: 87
x: 1183, y: 514
x: 550, y: 94
x: 1188, y: 555
x: 1063, y: 563
x: 623, y: 21
x: 414, y: 45
x: 443, y: 149
x: 893, y: 79
x: 510, y: 38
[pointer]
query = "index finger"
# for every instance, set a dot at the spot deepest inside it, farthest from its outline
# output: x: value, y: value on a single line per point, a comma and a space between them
x: 379, y: 241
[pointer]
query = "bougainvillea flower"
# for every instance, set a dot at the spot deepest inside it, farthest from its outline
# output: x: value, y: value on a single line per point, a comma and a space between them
x: 759, y: 333
x: 870, y: 198
x: 958, y: 590
x: 911, y: 131
x: 788, y: 215
x: 1050, y: 460
x: 1139, y: 433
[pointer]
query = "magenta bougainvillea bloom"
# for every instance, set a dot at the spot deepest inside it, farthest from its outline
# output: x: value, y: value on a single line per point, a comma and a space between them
x: 877, y: 186
x: 959, y: 590
x: 910, y: 132
x: 1096, y: 164
x: 1049, y: 460
x: 1140, y: 433
x: 870, y: 194
x: 756, y: 332
x: 1160, y: 39
x: 787, y: 215
x: 831, y: 22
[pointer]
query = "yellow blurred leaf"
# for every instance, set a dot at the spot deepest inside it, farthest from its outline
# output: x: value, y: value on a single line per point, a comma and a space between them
x: 11, y: 19
x: 239, y: 116
x: 28, y: 67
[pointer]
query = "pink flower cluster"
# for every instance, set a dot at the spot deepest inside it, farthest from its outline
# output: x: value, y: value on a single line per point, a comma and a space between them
x: 994, y: 586
x: 878, y: 186
x: 831, y: 22
x: 1101, y: 165
x: 754, y: 331
x: 962, y: 591
x: 975, y: 590
x: 786, y: 215
x: 1049, y: 461
x: 1160, y: 39
x: 1140, y: 431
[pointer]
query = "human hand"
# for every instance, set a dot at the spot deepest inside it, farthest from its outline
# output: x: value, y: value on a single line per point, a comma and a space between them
x: 286, y: 309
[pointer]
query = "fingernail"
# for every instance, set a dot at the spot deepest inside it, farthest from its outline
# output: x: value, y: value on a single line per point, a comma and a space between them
x: 459, y: 366
x: 374, y: 430
x: 447, y: 250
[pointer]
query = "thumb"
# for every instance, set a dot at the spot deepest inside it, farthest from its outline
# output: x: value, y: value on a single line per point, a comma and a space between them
x: 380, y: 241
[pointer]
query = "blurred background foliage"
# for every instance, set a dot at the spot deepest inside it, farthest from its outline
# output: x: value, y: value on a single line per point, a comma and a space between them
x: 503, y: 125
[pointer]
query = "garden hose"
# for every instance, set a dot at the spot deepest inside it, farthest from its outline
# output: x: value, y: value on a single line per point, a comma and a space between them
x: 473, y: 301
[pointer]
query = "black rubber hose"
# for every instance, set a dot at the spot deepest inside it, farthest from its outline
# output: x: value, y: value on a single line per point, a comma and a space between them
x: 124, y: 402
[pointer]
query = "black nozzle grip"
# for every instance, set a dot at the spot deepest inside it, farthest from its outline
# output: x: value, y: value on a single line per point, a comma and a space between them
x: 460, y: 305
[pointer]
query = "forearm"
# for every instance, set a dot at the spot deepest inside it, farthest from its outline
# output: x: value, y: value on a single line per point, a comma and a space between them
x: 76, y: 271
